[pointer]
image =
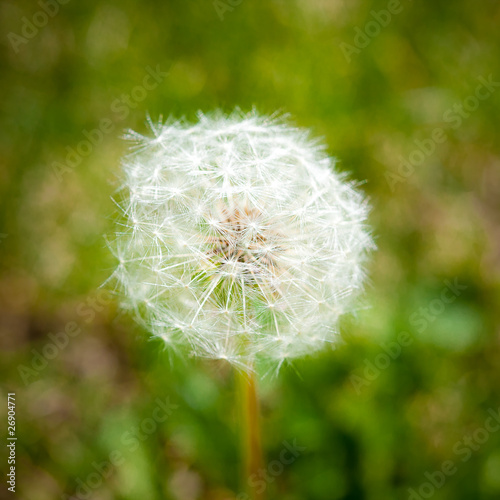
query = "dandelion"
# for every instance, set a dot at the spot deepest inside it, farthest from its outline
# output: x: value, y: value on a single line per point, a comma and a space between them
x: 241, y: 241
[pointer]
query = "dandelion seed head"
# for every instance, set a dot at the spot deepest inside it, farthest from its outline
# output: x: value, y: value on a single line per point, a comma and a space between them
x: 242, y: 242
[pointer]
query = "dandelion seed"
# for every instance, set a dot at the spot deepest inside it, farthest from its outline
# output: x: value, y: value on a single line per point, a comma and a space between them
x: 242, y: 241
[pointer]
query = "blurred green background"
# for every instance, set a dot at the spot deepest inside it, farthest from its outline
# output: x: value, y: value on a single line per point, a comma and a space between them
x: 371, y: 425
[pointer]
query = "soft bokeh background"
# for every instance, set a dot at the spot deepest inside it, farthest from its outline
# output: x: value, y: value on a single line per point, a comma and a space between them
x: 368, y: 432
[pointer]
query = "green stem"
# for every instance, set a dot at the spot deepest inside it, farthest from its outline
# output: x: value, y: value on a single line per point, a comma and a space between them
x: 250, y: 425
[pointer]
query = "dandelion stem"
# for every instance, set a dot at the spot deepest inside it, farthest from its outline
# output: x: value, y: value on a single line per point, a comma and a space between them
x: 251, y: 442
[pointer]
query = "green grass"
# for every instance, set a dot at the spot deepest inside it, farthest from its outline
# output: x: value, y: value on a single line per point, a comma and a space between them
x: 434, y: 222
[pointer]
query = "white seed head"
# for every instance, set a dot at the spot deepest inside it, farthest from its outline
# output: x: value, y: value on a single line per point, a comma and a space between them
x: 241, y: 241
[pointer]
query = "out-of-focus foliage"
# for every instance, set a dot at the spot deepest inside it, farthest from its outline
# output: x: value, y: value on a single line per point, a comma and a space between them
x: 372, y: 425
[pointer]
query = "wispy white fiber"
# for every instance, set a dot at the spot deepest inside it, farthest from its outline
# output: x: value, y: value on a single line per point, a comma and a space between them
x: 241, y: 241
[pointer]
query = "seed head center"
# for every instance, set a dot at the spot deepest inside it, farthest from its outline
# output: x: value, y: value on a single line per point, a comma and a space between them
x: 245, y: 242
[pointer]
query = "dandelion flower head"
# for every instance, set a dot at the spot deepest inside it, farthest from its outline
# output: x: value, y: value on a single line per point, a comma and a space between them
x: 241, y: 241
